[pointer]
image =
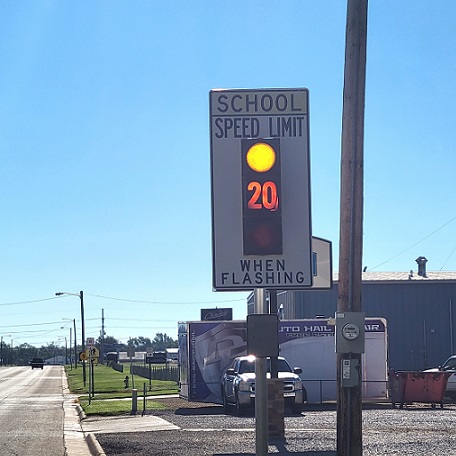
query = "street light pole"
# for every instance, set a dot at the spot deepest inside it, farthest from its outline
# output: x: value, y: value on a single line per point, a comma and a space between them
x: 71, y: 341
x: 2, y: 362
x: 81, y: 297
x: 75, y: 346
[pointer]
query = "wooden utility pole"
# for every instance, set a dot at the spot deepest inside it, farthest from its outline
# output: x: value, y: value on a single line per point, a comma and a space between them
x: 349, y: 404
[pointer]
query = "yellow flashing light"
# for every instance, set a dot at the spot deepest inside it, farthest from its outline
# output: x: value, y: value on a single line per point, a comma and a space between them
x: 261, y: 157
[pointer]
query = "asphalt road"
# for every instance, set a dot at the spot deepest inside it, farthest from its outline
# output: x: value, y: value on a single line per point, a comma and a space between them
x: 31, y: 412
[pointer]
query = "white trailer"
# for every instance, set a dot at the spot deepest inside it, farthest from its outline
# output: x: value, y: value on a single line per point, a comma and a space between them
x: 207, y: 348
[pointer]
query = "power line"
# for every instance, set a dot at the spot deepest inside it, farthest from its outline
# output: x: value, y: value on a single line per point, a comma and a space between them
x: 163, y: 302
x: 141, y: 319
x: 416, y: 243
x: 41, y: 332
x: 449, y: 256
x: 126, y: 300
x: 142, y: 327
x: 26, y: 302
x: 61, y: 323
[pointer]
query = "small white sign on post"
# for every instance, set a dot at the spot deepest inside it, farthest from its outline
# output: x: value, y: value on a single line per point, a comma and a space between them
x: 90, y: 341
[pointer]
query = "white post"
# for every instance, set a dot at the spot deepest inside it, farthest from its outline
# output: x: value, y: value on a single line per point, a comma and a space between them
x: 261, y: 387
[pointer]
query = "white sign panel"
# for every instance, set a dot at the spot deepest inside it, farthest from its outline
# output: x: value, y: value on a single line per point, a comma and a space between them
x: 260, y: 173
x: 322, y: 263
x: 90, y: 341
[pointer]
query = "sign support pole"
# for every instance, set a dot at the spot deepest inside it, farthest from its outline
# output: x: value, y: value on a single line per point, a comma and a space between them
x: 90, y: 375
x: 261, y: 387
x: 349, y: 403
x: 93, y: 376
x: 273, y: 311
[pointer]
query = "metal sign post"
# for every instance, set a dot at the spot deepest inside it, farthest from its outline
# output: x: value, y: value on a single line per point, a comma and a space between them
x: 261, y: 386
x: 149, y: 358
x: 90, y: 375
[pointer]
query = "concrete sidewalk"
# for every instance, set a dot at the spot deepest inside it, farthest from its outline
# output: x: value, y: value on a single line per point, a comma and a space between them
x: 79, y: 431
x: 131, y: 423
x: 75, y: 440
x: 79, y: 438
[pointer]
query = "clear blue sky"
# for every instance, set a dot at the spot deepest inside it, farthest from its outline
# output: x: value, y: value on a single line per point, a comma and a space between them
x: 104, y: 139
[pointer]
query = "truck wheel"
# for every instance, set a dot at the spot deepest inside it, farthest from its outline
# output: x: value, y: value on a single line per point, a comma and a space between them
x: 297, y: 409
x: 239, y: 408
x: 225, y: 404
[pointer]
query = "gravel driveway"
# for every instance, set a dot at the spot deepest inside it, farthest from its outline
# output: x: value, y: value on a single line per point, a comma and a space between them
x: 205, y: 430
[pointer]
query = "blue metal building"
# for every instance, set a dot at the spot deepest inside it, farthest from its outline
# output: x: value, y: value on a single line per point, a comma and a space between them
x: 419, y: 307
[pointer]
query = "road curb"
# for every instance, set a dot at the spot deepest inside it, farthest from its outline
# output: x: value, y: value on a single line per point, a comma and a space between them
x: 94, y: 446
x: 92, y: 442
x: 80, y: 412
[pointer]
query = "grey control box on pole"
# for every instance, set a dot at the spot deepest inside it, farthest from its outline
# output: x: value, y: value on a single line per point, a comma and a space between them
x: 350, y: 332
x: 262, y: 335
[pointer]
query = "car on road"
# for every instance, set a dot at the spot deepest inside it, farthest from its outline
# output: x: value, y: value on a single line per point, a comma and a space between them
x: 448, y: 366
x: 37, y: 362
x: 238, y: 384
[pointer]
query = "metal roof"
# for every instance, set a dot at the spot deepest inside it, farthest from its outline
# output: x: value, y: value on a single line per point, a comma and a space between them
x: 431, y: 276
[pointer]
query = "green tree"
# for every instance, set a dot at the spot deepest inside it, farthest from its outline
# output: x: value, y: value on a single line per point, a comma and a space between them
x: 140, y: 343
x: 163, y: 341
x: 108, y: 340
x: 24, y: 353
x: 50, y: 351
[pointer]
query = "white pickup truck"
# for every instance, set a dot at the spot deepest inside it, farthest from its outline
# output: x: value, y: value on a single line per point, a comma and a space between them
x: 448, y: 366
x: 238, y: 384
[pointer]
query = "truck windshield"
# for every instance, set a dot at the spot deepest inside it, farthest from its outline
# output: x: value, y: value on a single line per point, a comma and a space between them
x: 249, y: 366
x: 450, y: 364
x: 282, y: 366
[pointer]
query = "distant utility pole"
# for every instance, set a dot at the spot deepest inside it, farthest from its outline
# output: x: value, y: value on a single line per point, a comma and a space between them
x: 349, y: 404
x: 102, y: 334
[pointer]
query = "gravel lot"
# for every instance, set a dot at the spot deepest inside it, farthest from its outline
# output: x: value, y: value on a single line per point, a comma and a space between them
x: 205, y: 430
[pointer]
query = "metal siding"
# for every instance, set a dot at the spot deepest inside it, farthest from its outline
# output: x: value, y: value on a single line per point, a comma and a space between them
x: 417, y: 314
x: 311, y: 303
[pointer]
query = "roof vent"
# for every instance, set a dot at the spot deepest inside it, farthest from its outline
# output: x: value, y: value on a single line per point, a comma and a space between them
x: 422, y: 266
